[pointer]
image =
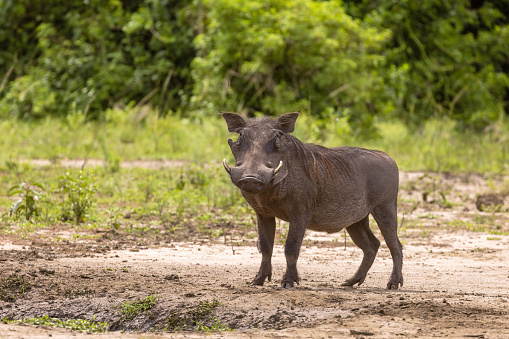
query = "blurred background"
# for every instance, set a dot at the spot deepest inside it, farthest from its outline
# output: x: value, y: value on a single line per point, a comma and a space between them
x: 426, y: 81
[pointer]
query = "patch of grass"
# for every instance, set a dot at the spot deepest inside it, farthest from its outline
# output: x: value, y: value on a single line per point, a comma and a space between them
x: 215, y: 326
x: 206, y: 199
x: 80, y: 325
x: 484, y: 219
x: 200, y: 318
x: 79, y: 191
x: 71, y: 294
x: 467, y: 225
x: 482, y: 250
x: 75, y: 237
x: 494, y: 238
x: 494, y: 208
x: 438, y: 145
x: 498, y: 232
x: 115, y: 215
x: 13, y: 288
x: 131, y: 309
x: 153, y: 137
x: 428, y: 216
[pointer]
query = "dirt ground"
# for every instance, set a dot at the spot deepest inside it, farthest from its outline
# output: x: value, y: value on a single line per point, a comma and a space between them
x: 456, y: 279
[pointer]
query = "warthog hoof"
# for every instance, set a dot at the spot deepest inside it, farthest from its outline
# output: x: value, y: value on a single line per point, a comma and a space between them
x: 289, y: 282
x: 354, y: 280
x: 260, y: 279
x: 394, y: 283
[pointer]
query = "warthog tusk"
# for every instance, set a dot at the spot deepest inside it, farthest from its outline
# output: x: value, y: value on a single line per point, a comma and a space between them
x: 226, y: 167
x: 278, y: 168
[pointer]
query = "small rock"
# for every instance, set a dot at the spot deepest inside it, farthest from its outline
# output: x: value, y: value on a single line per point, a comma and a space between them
x: 354, y: 332
x: 489, y: 200
x: 172, y: 277
x: 46, y: 271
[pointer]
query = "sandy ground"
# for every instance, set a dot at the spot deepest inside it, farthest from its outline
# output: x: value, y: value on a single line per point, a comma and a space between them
x: 456, y: 281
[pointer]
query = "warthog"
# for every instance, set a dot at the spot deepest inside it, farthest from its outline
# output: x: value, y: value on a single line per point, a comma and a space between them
x: 313, y: 187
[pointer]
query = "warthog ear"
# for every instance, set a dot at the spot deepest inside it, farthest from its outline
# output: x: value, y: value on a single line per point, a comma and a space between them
x: 286, y: 122
x: 234, y: 121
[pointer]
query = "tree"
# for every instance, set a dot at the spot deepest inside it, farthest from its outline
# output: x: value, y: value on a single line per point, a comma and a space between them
x: 447, y: 58
x: 282, y: 55
x: 85, y: 56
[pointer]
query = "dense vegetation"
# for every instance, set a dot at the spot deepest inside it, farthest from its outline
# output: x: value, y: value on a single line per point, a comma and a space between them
x: 358, y: 62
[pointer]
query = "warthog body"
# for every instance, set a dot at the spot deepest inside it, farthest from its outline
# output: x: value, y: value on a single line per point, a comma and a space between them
x: 316, y: 188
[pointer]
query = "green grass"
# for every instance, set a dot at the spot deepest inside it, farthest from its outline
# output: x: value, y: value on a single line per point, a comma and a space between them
x: 199, y: 196
x: 437, y: 146
x: 131, y: 309
x: 122, y: 137
x: 80, y: 325
x: 498, y: 232
x: 494, y: 238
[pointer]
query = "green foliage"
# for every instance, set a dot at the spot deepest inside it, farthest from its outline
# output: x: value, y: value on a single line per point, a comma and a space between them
x: 439, y: 145
x: 279, y: 55
x: 80, y: 325
x: 30, y: 194
x: 360, y: 62
x: 114, y: 219
x: 121, y: 137
x: 79, y: 194
x: 131, y: 309
x: 85, y: 57
x: 445, y: 58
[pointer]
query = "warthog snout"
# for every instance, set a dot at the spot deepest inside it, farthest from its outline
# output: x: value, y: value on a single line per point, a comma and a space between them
x: 250, y: 183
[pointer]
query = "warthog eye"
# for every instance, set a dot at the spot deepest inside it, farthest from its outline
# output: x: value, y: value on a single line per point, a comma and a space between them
x: 241, y: 143
x: 273, y: 145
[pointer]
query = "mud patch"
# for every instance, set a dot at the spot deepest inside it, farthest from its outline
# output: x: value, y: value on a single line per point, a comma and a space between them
x: 13, y: 287
x: 205, y: 287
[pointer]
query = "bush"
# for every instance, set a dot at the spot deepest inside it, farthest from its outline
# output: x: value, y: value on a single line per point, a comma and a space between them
x: 358, y: 61
x: 86, y: 56
x: 445, y: 58
x: 278, y: 56
x: 79, y: 194
x: 30, y: 193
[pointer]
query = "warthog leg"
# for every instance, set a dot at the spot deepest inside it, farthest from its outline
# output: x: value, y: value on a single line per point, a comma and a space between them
x: 292, y: 249
x: 266, y: 234
x: 387, y: 219
x: 364, y: 238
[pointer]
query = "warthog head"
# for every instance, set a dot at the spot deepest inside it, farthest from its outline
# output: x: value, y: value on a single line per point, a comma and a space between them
x: 260, y: 151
